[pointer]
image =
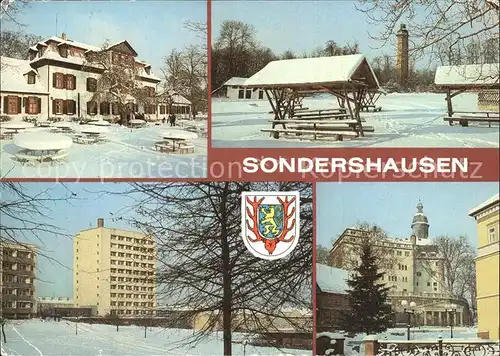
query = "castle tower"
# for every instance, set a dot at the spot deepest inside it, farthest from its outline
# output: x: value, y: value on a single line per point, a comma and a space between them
x: 402, y: 60
x: 420, y: 224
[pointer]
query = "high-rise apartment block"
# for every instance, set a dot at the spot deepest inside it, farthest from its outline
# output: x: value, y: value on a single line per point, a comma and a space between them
x: 114, y: 271
x: 17, y: 276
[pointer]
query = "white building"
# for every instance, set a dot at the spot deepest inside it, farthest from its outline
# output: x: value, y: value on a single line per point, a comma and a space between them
x: 58, y: 81
x: 235, y: 89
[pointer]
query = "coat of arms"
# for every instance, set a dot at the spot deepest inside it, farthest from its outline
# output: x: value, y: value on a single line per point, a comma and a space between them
x: 270, y: 223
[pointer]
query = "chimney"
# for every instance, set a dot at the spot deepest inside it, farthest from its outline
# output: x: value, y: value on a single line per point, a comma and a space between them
x: 63, y: 36
x: 100, y: 222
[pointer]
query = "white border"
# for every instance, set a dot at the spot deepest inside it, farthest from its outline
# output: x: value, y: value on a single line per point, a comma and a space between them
x: 244, y: 195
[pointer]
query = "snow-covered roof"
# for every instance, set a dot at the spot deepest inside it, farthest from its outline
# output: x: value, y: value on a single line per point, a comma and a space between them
x: 467, y: 75
x: 72, y: 43
x: 12, y: 77
x: 331, y: 279
x: 236, y: 81
x: 491, y: 201
x: 310, y: 71
x: 178, y: 98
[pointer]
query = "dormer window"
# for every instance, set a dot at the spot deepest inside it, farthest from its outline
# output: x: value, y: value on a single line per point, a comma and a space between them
x: 31, y: 78
x: 148, y: 70
x: 32, y: 55
x: 63, y: 51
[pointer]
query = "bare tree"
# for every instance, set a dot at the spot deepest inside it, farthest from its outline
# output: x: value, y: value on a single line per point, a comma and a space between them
x: 24, y: 216
x: 322, y: 255
x: 15, y: 44
x: 10, y: 9
x: 459, y: 266
x: 205, y: 267
x: 434, y: 25
x: 378, y: 238
x: 118, y: 83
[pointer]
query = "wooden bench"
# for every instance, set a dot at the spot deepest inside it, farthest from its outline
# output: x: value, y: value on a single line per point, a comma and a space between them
x: 84, y: 140
x: 464, y: 120
x: 295, y: 109
x: 163, y: 147
x: 186, y: 148
x: 337, y: 135
x: 335, y: 128
x: 368, y: 107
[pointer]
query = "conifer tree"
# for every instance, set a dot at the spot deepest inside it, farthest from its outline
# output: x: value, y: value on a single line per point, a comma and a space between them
x: 370, y: 311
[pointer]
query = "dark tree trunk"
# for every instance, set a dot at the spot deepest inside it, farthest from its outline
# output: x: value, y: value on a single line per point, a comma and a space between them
x: 3, y: 333
x: 226, y: 277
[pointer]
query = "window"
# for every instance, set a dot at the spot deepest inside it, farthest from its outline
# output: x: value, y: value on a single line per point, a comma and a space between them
x: 419, y: 274
x: 398, y: 253
x: 241, y: 94
x: 58, y: 80
x: 162, y: 109
x: 70, y: 81
x: 32, y: 105
x: 31, y: 78
x: 13, y: 104
x: 248, y: 94
x: 63, y: 51
x: 407, y: 253
x: 104, y: 108
x: 91, y: 108
x: 428, y: 284
x: 435, y: 284
x: 261, y: 94
x: 492, y: 234
x: 58, y: 106
x: 92, y: 85
x: 70, y: 107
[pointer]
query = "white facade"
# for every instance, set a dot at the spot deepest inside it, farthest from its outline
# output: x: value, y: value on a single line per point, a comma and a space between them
x: 56, y: 77
x: 235, y: 90
x: 417, y: 268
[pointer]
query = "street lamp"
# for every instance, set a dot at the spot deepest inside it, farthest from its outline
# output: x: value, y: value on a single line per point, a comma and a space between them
x: 451, y: 309
x: 409, y: 312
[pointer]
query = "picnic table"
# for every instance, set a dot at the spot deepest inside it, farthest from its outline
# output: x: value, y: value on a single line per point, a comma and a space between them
x: 90, y: 134
x: 62, y: 127
x: 135, y: 123
x: 39, y: 147
x: 16, y: 127
x: 176, y: 141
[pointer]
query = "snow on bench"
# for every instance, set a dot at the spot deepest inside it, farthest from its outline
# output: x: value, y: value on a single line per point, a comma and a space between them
x: 336, y: 135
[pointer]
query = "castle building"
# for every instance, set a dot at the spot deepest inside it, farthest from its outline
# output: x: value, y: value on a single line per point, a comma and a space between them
x: 17, y: 277
x: 402, y: 56
x: 60, y: 80
x: 114, y: 271
x: 413, y: 270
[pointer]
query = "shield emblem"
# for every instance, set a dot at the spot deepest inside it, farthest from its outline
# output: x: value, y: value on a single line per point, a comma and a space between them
x: 270, y: 223
x: 270, y: 220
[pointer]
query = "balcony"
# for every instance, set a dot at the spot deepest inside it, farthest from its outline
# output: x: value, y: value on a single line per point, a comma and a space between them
x: 17, y: 285
x: 19, y: 298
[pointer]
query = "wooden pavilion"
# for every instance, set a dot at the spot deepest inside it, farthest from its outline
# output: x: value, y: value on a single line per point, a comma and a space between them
x: 286, y: 82
x: 480, y: 78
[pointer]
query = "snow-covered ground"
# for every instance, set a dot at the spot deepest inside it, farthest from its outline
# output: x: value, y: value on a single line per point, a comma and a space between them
x: 37, y: 338
x: 406, y: 120
x: 128, y: 153
x: 354, y: 346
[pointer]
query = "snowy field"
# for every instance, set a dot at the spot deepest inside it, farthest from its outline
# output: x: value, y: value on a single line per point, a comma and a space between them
x: 127, y: 153
x: 406, y: 120
x: 37, y: 338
